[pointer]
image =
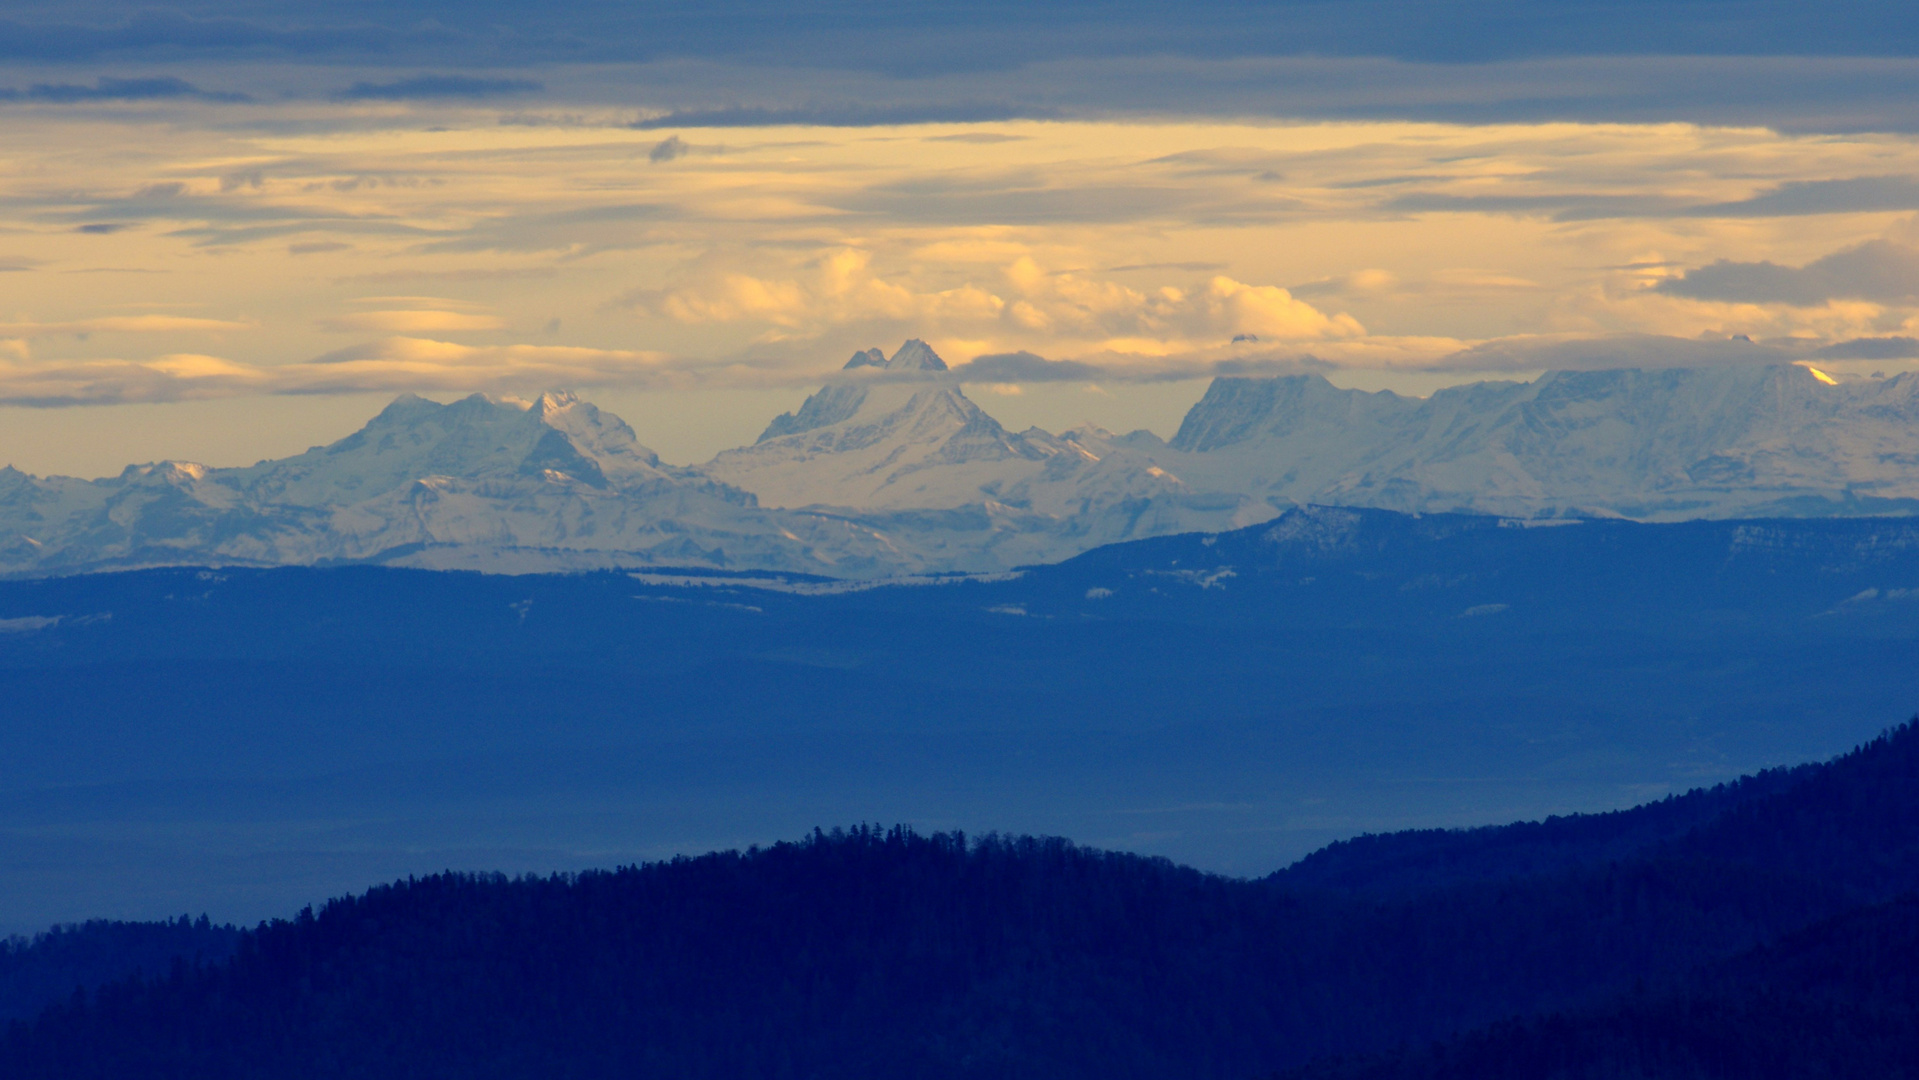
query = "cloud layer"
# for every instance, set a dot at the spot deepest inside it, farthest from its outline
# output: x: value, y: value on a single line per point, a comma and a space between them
x: 391, y: 364
x: 427, y: 240
x: 1881, y: 271
x: 429, y: 87
x: 109, y: 88
x: 988, y: 35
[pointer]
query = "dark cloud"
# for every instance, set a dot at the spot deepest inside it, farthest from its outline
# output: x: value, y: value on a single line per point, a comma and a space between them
x: 1617, y: 351
x: 1023, y: 367
x: 981, y: 137
x: 910, y: 39
x: 107, y: 88
x: 206, y: 219
x: 422, y: 87
x: 221, y: 234
x: 1830, y: 66
x: 1188, y: 267
x: 1840, y: 65
x: 89, y: 30
x: 1387, y: 181
x: 1792, y: 94
x: 1880, y: 271
x: 1026, y: 367
x: 1026, y: 196
x: 1573, y: 206
x: 1864, y: 194
x: 1859, y: 194
x: 667, y: 149
x: 850, y: 115
x: 1879, y: 348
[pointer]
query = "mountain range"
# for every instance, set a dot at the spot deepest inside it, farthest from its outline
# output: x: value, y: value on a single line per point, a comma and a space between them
x: 890, y: 469
x: 1655, y: 445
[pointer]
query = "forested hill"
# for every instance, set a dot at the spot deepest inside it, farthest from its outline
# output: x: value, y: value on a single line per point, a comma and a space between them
x: 1843, y: 822
x: 881, y: 953
x: 50, y: 966
x: 1837, y: 999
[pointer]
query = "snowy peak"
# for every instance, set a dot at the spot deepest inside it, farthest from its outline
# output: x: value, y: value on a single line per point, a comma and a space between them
x: 1099, y: 442
x: 481, y: 483
x: 175, y: 473
x: 833, y: 404
x: 916, y: 355
x: 604, y: 439
x: 915, y: 476
x: 553, y: 401
x: 1241, y: 409
x: 884, y: 444
x: 841, y: 400
x: 555, y: 438
x: 920, y: 414
x: 1644, y: 443
x: 865, y: 442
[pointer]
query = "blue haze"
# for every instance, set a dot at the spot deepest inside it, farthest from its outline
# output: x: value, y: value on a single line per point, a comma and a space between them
x: 245, y: 742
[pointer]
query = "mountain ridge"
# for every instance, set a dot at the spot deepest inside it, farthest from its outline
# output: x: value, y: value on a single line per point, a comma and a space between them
x: 1651, y: 444
x: 889, y: 468
x: 546, y: 482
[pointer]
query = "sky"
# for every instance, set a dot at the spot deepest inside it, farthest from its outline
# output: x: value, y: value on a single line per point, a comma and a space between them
x: 232, y: 230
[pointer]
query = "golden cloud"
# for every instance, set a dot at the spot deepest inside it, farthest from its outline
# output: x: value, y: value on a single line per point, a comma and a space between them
x: 423, y: 321
x: 124, y: 324
x: 1027, y: 306
x: 392, y: 364
x: 836, y: 288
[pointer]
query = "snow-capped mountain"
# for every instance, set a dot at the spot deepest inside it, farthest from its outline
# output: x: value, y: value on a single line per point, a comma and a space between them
x: 899, y: 435
x: 891, y: 469
x: 1656, y: 445
x: 500, y: 485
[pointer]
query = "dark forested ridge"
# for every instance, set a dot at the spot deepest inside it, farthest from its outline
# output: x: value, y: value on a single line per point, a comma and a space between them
x: 1846, y: 822
x: 882, y: 953
x: 51, y: 965
x: 1837, y: 999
